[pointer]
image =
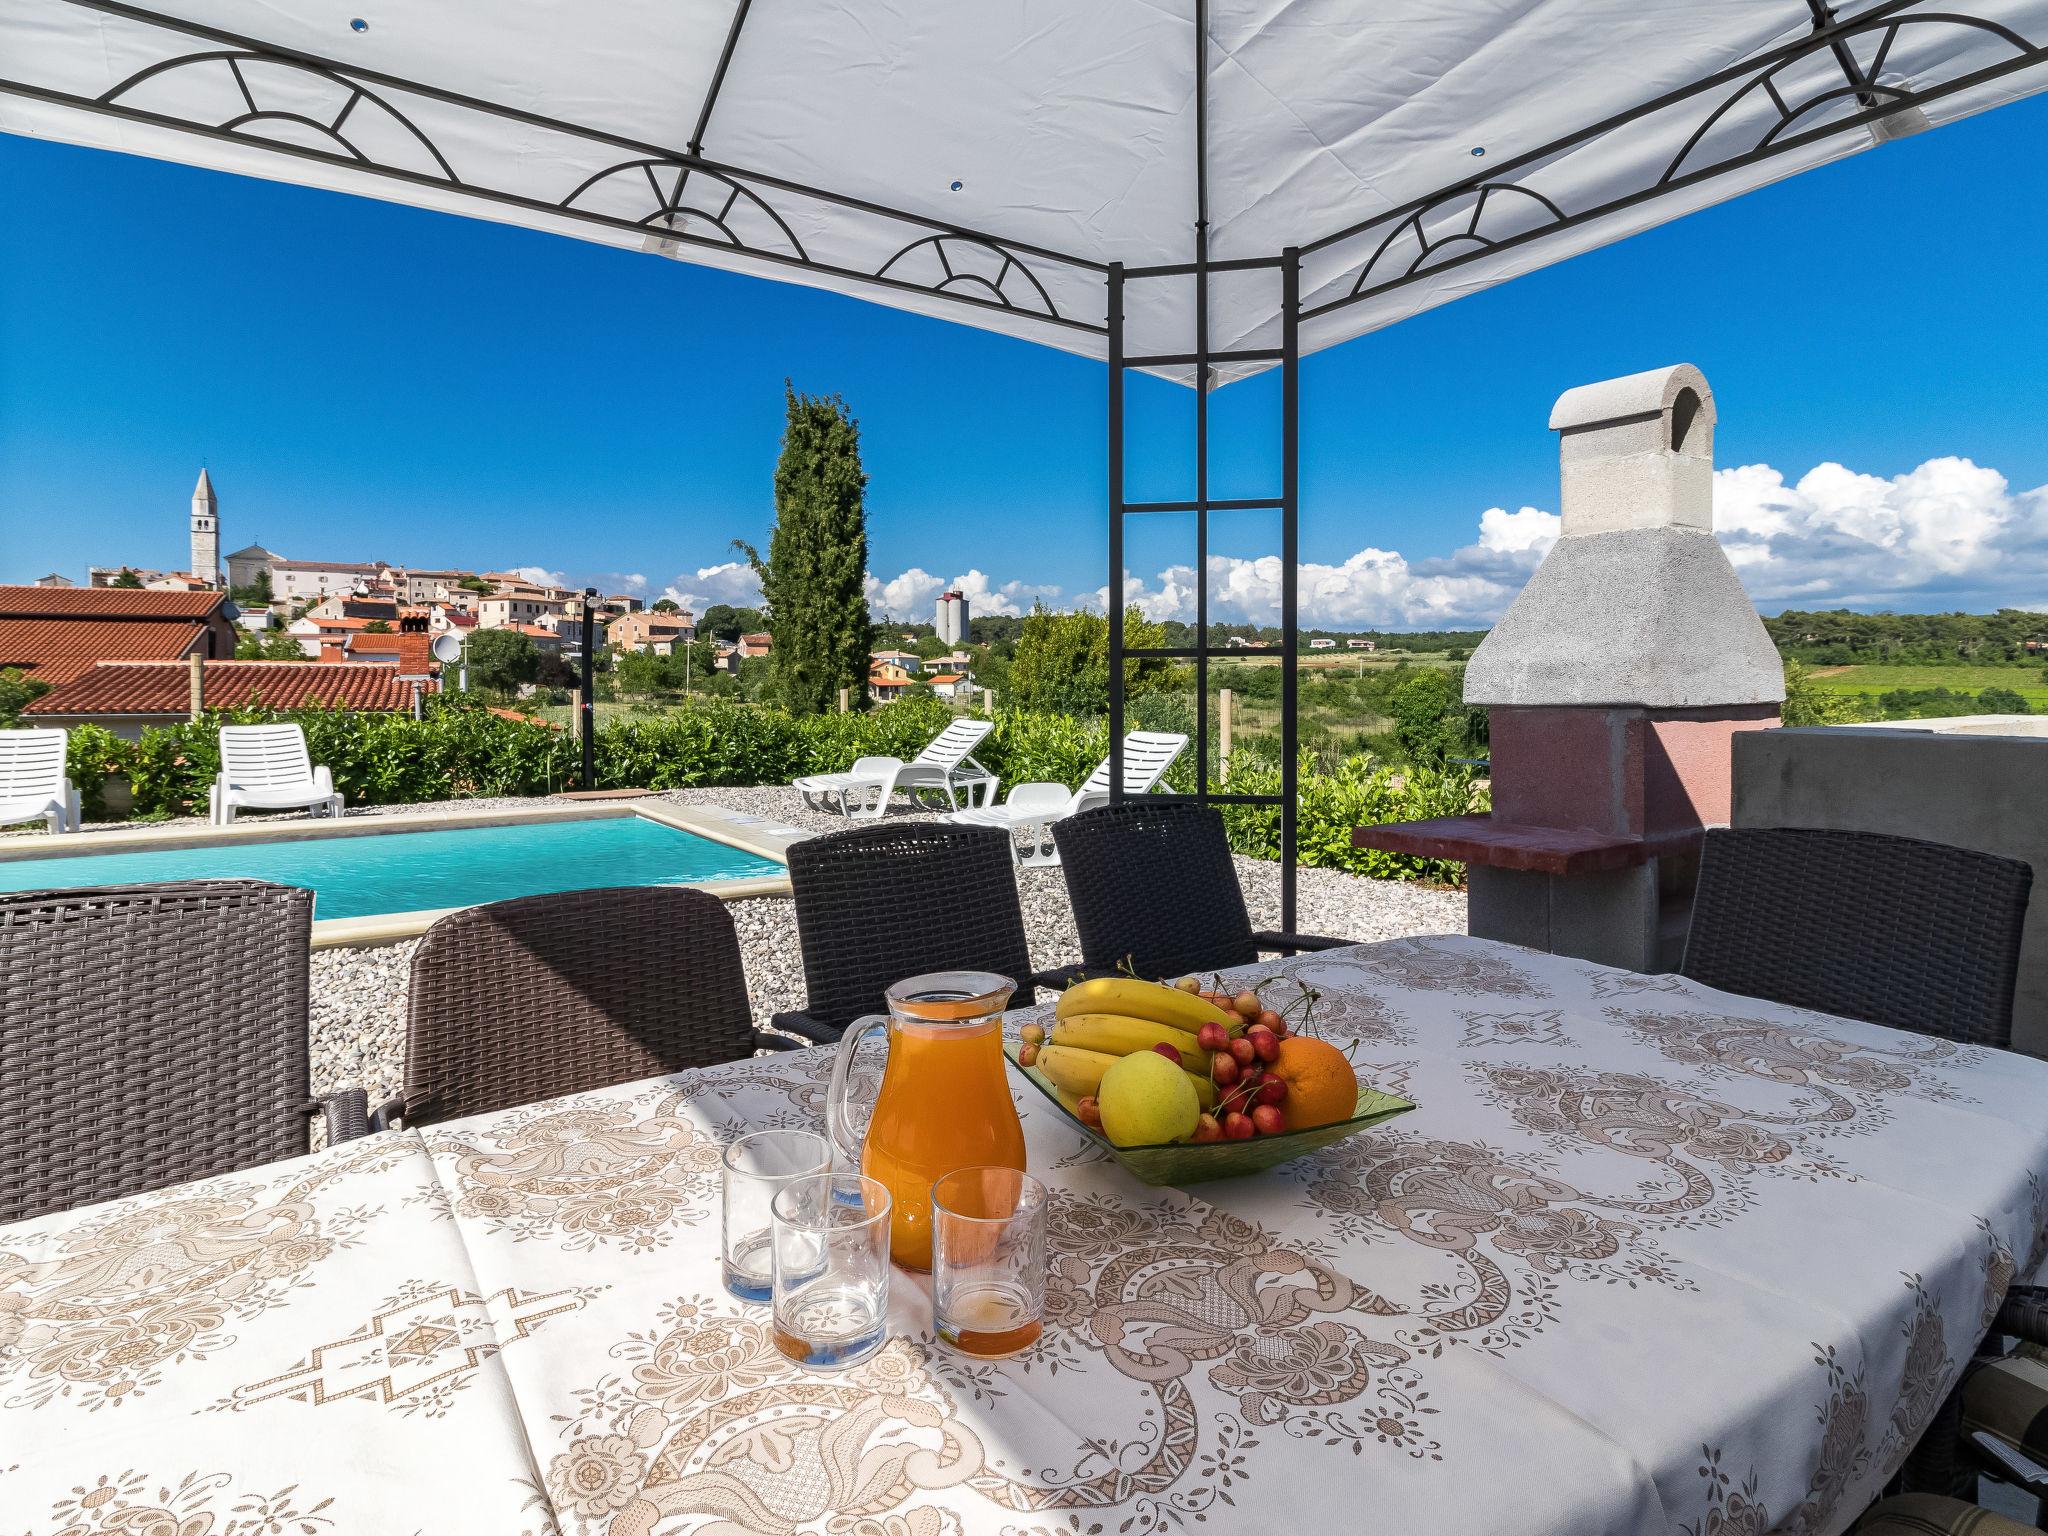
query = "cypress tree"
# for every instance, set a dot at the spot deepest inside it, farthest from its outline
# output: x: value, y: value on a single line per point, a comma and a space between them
x: 814, y: 581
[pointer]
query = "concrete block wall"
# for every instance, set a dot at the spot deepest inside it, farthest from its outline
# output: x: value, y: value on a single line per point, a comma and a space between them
x: 1966, y: 788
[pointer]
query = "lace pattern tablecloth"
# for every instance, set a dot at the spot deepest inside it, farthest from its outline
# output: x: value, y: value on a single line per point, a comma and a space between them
x: 1648, y: 1258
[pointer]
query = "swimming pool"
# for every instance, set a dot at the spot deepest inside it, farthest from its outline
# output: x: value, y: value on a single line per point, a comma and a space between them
x: 362, y: 874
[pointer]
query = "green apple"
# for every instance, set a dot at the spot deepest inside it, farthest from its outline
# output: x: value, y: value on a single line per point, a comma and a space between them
x: 1146, y: 1099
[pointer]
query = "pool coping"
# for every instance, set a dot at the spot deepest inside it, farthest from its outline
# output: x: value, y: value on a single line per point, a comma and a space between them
x: 758, y: 835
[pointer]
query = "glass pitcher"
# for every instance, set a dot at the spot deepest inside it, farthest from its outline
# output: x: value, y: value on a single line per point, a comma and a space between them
x: 944, y: 1102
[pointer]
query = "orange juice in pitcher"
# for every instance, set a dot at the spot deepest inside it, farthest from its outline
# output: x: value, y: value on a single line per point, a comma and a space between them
x: 944, y: 1102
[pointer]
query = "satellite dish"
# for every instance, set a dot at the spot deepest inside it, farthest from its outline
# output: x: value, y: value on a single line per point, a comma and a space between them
x: 446, y: 648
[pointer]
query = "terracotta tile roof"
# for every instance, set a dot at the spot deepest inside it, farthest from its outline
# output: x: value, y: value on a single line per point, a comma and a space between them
x: 413, y: 653
x: 57, y: 650
x: 105, y: 603
x: 512, y: 714
x: 163, y: 687
x: 350, y: 567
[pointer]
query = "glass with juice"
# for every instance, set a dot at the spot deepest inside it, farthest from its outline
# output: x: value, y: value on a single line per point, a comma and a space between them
x: 944, y: 1103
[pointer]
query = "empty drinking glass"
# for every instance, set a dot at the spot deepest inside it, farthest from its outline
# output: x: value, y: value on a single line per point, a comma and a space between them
x: 831, y: 1253
x: 988, y: 1260
x: 757, y: 1168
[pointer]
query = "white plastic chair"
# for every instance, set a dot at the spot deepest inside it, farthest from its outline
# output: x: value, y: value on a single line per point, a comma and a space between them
x: 1033, y: 808
x: 266, y: 768
x: 33, y: 785
x: 943, y: 765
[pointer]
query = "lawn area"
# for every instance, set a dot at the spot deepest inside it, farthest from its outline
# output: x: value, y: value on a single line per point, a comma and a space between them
x: 2026, y: 681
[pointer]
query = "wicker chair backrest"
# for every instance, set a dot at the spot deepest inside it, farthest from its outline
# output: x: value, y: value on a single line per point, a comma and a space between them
x: 529, y: 999
x: 149, y: 1035
x: 877, y: 904
x: 1893, y: 930
x: 1153, y: 886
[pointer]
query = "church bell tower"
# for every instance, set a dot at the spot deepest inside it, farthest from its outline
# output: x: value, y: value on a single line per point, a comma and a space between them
x: 205, y: 531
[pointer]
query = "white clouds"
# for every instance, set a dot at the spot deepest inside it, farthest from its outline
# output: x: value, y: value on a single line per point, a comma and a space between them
x: 733, y: 582
x: 912, y: 595
x: 1009, y: 599
x: 540, y: 577
x: 909, y: 596
x: 1947, y: 534
x: 1950, y: 532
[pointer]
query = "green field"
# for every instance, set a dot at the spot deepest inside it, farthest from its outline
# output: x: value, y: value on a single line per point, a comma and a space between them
x: 2026, y: 681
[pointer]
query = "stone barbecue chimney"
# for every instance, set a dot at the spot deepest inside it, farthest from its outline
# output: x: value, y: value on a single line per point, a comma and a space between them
x: 1615, y: 682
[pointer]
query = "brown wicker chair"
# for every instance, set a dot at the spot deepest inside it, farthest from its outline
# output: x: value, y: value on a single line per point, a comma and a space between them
x: 880, y: 903
x: 1154, y: 889
x: 1891, y: 930
x: 529, y: 999
x: 153, y: 1034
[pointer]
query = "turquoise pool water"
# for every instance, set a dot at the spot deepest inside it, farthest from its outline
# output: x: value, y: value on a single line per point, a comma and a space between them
x: 357, y: 876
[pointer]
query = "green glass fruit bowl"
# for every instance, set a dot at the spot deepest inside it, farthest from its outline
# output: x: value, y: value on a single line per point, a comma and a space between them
x: 1191, y: 1162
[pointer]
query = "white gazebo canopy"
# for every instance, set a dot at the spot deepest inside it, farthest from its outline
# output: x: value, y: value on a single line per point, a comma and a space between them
x: 1200, y: 189
x: 987, y: 160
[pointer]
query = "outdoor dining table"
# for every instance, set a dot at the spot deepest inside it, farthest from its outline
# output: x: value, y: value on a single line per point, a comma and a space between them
x: 1646, y: 1258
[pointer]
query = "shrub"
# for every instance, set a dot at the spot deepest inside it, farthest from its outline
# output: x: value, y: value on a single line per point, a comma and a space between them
x: 461, y: 749
x: 1356, y: 791
x: 92, y: 756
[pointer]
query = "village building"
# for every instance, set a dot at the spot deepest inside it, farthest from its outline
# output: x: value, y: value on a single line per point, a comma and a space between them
x: 53, y: 634
x: 128, y: 697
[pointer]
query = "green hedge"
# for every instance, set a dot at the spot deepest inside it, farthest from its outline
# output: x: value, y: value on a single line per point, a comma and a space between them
x: 461, y: 750
x: 1355, y: 791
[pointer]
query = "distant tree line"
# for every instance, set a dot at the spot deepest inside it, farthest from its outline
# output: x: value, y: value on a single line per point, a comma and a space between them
x: 1840, y: 638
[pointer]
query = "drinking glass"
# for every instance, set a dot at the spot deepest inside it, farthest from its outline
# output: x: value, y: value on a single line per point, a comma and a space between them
x: 757, y: 1168
x: 831, y: 1253
x: 988, y: 1260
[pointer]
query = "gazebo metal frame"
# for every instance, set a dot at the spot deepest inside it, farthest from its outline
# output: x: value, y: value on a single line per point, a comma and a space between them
x: 695, y: 200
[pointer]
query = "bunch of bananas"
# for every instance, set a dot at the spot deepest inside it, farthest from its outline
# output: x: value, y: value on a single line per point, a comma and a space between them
x: 1098, y: 1021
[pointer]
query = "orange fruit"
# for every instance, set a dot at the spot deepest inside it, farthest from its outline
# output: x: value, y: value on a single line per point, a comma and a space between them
x: 1321, y: 1087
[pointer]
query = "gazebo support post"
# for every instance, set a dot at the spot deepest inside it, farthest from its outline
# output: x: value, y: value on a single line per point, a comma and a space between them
x: 1288, y: 355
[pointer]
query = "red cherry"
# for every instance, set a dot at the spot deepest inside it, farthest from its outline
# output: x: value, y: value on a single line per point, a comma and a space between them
x: 1208, y: 1128
x: 1223, y: 1070
x: 1247, y: 1004
x: 1272, y: 1090
x: 1243, y: 1050
x: 1027, y: 1055
x: 1172, y: 1052
x: 1268, y: 1121
x: 1213, y: 1037
x: 1268, y: 1019
x: 1239, y: 1127
x: 1265, y: 1044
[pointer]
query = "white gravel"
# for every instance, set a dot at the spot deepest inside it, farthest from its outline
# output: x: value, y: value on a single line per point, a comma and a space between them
x: 358, y: 1023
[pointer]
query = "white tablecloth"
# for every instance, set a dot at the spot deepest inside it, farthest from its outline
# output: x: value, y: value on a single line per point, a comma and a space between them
x: 1648, y: 1258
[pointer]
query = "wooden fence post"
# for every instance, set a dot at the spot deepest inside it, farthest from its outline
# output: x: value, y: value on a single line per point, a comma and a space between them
x: 845, y: 700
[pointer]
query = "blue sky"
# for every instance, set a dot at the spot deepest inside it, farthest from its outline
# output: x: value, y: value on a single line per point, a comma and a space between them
x: 374, y: 382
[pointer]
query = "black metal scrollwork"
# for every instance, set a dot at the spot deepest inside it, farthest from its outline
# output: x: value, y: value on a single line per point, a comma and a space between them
x: 248, y: 68
x: 953, y: 276
x: 675, y: 210
x: 1426, y: 236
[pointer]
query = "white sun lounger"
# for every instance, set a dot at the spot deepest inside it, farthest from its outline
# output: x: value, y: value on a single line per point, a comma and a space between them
x: 1033, y: 808
x: 943, y: 765
x: 33, y: 786
x: 266, y: 768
